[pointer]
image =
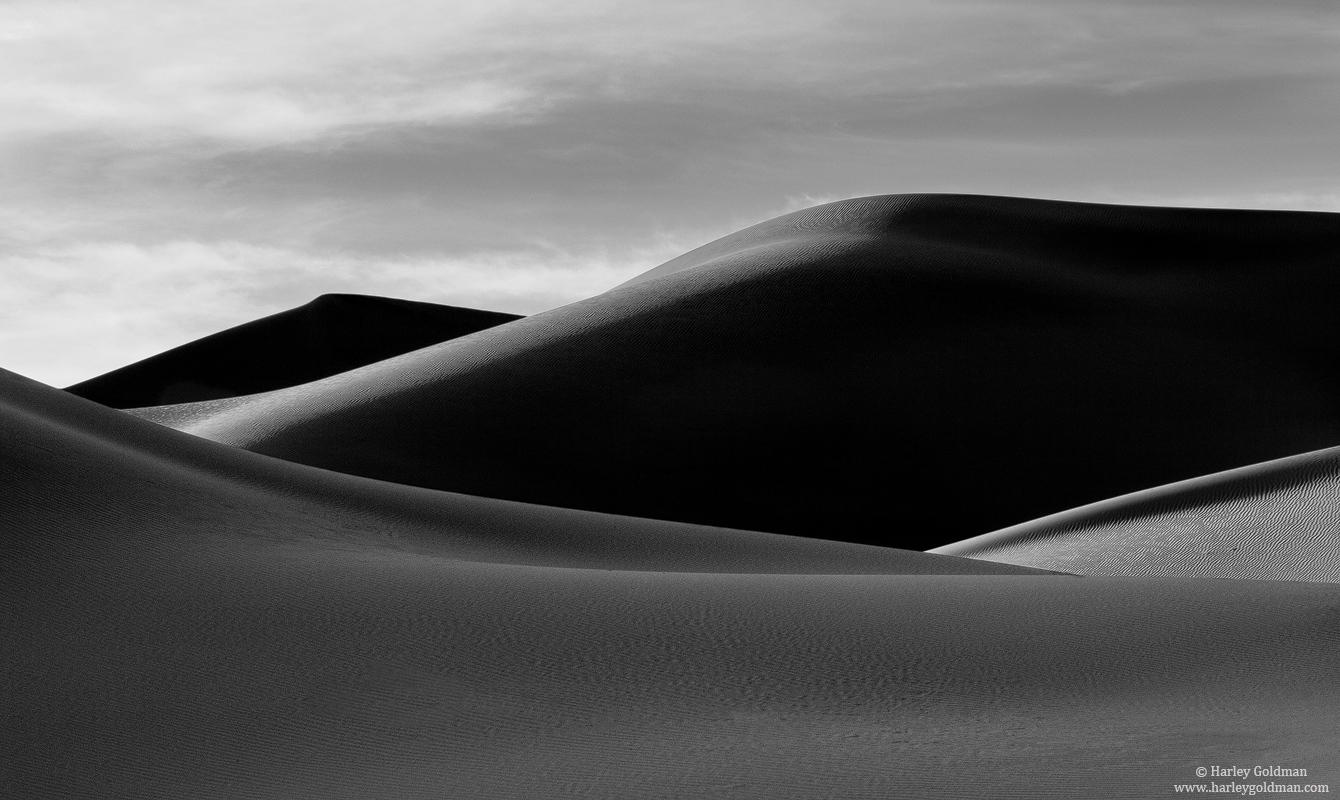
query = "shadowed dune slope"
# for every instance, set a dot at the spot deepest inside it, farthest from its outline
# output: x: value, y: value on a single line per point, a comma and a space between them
x: 1279, y: 520
x: 75, y: 472
x: 332, y: 334
x: 908, y: 370
x: 183, y: 619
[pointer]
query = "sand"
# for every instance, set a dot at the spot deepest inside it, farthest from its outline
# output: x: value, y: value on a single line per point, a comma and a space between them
x: 1277, y: 520
x: 407, y: 580
x: 184, y: 619
x: 332, y: 334
x: 906, y: 371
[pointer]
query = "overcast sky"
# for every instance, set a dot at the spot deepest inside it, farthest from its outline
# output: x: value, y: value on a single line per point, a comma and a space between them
x: 169, y: 168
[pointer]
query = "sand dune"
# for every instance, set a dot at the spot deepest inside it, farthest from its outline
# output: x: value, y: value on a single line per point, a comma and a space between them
x: 355, y: 602
x: 334, y: 333
x: 71, y: 464
x: 1278, y: 520
x: 904, y: 370
x: 183, y: 619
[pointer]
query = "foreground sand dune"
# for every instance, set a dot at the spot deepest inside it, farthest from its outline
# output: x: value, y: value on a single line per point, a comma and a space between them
x: 909, y: 370
x: 334, y: 333
x: 187, y: 620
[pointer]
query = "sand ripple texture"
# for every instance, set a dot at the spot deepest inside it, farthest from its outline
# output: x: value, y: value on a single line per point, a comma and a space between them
x: 1278, y: 520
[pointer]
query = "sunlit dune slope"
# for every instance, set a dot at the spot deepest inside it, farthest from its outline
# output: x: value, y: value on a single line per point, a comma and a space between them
x: 332, y: 334
x: 908, y: 370
x: 182, y: 619
x: 1280, y: 520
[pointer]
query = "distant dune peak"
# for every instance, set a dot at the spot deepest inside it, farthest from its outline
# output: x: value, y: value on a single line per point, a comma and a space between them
x: 332, y: 334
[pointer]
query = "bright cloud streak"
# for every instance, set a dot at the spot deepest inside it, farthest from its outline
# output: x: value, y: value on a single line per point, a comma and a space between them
x: 262, y: 72
x: 259, y: 73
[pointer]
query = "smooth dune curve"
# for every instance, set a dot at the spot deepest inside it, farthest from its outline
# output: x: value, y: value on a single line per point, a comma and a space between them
x: 183, y: 619
x: 908, y: 370
x: 334, y: 333
x: 1278, y: 520
x: 72, y: 468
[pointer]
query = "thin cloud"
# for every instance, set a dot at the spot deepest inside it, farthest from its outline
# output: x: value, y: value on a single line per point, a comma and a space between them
x: 254, y: 73
x: 286, y: 71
